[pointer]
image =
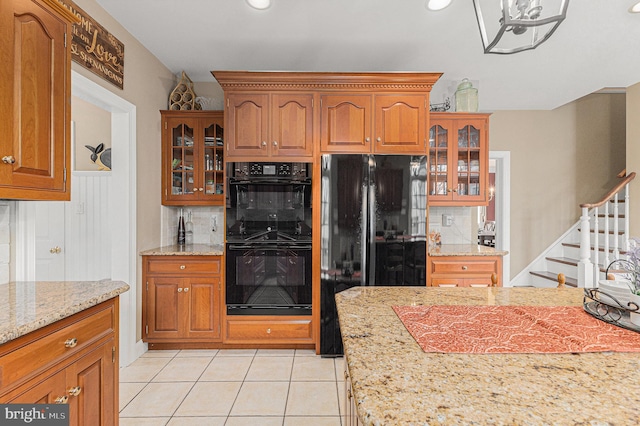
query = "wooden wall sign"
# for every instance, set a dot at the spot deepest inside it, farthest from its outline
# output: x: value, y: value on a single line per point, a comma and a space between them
x: 95, y: 48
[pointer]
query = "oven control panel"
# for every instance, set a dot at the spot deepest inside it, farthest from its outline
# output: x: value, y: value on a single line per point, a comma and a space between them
x: 278, y: 170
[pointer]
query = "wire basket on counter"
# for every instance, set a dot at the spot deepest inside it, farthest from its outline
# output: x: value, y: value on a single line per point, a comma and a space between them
x: 610, y: 309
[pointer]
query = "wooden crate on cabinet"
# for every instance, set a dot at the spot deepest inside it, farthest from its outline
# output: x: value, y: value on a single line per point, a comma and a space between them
x: 72, y: 361
x: 376, y: 123
x: 458, y: 159
x: 35, y: 88
x: 192, y: 158
x: 182, y: 301
x: 269, y: 124
x: 463, y: 271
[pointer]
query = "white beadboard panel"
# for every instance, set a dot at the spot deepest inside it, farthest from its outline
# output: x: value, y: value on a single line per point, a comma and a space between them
x: 87, y: 236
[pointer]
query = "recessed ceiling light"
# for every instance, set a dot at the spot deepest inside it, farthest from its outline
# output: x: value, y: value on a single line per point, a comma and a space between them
x: 259, y: 4
x: 437, y: 4
x: 635, y: 8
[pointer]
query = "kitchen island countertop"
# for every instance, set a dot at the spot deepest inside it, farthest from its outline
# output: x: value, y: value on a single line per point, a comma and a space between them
x: 186, y: 250
x: 28, y: 306
x: 395, y: 383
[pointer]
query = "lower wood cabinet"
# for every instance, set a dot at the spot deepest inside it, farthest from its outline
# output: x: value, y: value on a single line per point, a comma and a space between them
x: 349, y: 404
x: 73, y: 361
x: 463, y: 271
x: 182, y: 299
x: 269, y: 330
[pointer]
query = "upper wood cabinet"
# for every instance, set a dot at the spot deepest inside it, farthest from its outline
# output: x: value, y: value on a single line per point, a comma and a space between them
x: 378, y: 123
x: 268, y: 125
x: 35, y: 88
x: 272, y: 113
x: 458, y: 159
x: 192, y: 158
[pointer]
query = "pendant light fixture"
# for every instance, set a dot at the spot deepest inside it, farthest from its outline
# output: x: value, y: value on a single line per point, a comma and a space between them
x: 510, y: 26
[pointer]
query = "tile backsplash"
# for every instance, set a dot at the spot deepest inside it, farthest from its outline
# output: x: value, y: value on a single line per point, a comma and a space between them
x: 203, y: 218
x: 463, y: 230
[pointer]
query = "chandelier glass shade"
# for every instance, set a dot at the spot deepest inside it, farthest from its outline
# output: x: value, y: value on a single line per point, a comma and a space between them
x: 511, y: 26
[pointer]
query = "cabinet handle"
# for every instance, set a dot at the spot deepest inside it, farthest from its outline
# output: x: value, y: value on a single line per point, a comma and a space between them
x: 201, y: 189
x: 264, y: 144
x: 71, y: 343
x: 268, y: 331
x: 8, y: 159
x: 74, y: 391
x: 346, y: 374
x: 182, y: 266
x: 455, y: 190
x: 186, y: 289
x: 448, y: 189
x: 61, y: 399
x: 349, y: 396
x: 465, y: 267
x: 179, y: 289
x: 379, y: 139
x: 55, y: 250
x: 275, y: 143
x: 367, y: 139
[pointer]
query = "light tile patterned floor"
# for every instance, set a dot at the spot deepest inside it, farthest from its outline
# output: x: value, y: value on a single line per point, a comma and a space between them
x: 233, y: 388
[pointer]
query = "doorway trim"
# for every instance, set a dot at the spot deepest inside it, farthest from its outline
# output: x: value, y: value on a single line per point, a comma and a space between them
x: 503, y: 203
x: 122, y: 211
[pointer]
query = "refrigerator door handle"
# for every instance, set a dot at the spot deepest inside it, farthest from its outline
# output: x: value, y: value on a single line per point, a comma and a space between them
x: 372, y: 219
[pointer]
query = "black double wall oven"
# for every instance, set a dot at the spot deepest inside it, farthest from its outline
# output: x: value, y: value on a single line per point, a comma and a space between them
x: 268, y: 256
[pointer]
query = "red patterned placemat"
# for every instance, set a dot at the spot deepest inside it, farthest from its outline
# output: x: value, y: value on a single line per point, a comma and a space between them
x: 513, y: 329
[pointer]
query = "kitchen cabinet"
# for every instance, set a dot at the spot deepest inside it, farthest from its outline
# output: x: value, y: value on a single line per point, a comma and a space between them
x: 349, y: 403
x: 458, y: 159
x: 464, y: 271
x: 269, y: 124
x: 72, y: 361
x: 192, y: 158
x: 35, y: 88
x: 374, y: 123
x: 182, y: 296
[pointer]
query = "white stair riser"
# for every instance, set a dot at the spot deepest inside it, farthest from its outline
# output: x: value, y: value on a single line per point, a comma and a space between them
x: 542, y: 282
x: 612, y: 239
x: 601, y: 223
x: 557, y: 268
x: 574, y: 253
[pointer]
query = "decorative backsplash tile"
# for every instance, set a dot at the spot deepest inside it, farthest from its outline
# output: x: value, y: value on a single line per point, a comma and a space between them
x: 463, y: 230
x: 203, y: 217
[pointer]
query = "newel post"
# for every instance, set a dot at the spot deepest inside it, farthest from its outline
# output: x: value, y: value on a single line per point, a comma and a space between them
x: 585, y: 267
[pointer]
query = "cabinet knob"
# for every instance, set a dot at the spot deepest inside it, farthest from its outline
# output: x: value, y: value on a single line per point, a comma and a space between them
x: 346, y: 374
x: 264, y: 144
x: 61, y: 399
x: 465, y: 267
x: 179, y: 289
x: 182, y: 266
x: 367, y: 139
x: 55, y: 250
x: 349, y: 394
x: 268, y: 331
x: 454, y: 190
x: 201, y: 189
x: 8, y: 159
x: 379, y: 139
x: 275, y: 143
x: 71, y: 343
x: 448, y: 189
x: 186, y: 289
x: 74, y: 391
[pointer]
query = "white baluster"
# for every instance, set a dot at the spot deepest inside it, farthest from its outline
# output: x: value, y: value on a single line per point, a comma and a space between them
x: 596, y: 244
x: 616, y: 217
x: 585, y: 268
x: 626, y: 217
x: 606, y: 232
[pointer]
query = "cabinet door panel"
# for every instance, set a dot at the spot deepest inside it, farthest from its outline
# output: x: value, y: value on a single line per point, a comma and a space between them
x: 93, y: 375
x: 291, y: 124
x: 247, y: 124
x: 345, y: 123
x: 45, y: 392
x: 164, y: 316
x: 35, y: 125
x: 204, y: 305
x: 401, y: 123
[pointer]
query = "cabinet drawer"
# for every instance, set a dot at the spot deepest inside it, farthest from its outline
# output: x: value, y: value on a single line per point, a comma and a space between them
x: 244, y: 330
x: 43, y: 349
x: 463, y: 267
x: 179, y: 266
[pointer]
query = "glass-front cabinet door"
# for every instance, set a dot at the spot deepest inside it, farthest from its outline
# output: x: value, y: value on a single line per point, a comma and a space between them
x: 458, y: 159
x: 193, y: 158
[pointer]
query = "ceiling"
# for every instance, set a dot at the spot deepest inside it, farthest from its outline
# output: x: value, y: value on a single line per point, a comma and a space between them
x: 596, y: 47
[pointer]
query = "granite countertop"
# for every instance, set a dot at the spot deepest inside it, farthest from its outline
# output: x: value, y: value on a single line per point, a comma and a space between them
x: 186, y: 250
x: 28, y: 306
x: 465, y: 250
x: 396, y: 383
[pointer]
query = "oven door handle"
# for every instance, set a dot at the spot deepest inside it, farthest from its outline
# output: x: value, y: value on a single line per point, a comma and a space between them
x: 269, y: 247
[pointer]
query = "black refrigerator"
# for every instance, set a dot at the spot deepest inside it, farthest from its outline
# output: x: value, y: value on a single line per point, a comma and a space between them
x: 373, y: 229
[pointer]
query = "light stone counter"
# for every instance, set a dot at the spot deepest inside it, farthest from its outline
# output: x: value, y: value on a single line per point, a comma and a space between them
x: 396, y: 383
x: 28, y: 306
x: 465, y: 250
x: 186, y: 250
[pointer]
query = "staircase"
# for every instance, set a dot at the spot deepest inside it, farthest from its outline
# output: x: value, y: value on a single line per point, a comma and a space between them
x: 584, y: 256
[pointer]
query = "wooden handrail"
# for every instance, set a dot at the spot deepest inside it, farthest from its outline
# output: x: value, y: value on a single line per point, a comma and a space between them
x: 611, y: 193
